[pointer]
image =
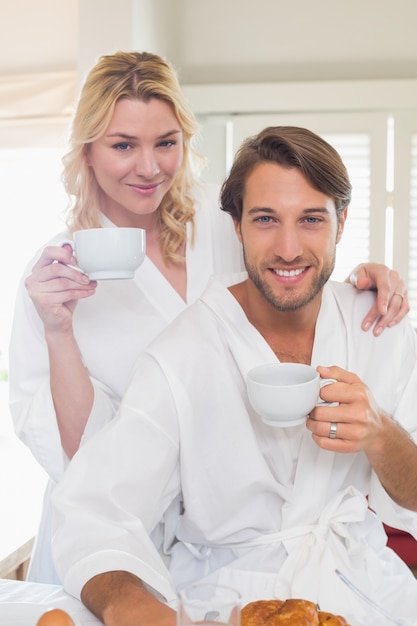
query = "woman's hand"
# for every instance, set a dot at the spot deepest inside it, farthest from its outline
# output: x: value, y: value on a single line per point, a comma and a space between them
x: 55, y: 288
x: 391, y: 304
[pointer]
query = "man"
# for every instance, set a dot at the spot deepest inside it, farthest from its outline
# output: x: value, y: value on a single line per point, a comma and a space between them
x: 270, y: 511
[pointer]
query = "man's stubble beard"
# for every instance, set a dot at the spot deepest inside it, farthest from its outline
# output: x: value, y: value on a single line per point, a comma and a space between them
x: 293, y: 302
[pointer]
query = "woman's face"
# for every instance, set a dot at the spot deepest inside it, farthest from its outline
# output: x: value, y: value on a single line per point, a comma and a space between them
x: 136, y: 160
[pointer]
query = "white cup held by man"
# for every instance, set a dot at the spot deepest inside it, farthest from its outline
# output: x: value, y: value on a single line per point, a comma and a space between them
x: 109, y: 253
x: 284, y: 393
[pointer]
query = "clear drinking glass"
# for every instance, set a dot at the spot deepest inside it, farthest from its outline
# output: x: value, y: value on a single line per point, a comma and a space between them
x: 208, y: 605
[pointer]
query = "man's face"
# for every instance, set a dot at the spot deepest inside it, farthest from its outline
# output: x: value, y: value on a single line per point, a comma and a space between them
x: 289, y: 232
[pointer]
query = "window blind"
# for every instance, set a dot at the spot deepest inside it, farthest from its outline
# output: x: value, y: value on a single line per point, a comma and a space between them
x: 354, y: 247
x: 412, y: 273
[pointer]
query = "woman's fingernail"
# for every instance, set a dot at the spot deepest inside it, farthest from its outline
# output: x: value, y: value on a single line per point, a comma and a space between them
x: 367, y: 325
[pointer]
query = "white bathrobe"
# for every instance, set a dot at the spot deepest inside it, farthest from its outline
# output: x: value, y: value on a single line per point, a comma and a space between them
x: 257, y: 507
x: 111, y: 328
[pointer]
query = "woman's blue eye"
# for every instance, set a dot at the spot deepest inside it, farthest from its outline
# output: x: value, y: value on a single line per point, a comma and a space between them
x: 122, y: 146
x: 168, y: 143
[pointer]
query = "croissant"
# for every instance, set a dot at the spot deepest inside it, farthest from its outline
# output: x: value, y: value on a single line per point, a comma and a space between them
x: 292, y: 612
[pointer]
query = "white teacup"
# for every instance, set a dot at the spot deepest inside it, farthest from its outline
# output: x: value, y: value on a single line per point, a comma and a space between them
x: 284, y: 393
x: 109, y: 253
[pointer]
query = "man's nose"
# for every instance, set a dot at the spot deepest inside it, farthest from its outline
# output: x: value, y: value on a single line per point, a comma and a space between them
x: 288, y: 244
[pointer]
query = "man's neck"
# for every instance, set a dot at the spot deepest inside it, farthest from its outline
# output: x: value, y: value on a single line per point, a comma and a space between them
x: 290, y: 334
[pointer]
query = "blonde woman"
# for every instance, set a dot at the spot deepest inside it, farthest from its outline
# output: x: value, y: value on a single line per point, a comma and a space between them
x: 132, y: 163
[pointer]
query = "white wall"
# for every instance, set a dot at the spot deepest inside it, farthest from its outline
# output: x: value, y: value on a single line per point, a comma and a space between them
x: 218, y: 40
x: 274, y: 40
x: 38, y: 35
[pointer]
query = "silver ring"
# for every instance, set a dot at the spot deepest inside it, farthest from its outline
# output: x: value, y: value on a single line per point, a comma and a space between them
x: 399, y: 294
x: 333, y: 430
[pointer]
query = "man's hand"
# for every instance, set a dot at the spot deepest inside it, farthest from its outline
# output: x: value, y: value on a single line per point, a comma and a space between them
x: 121, y: 599
x: 392, y: 301
x: 357, y: 424
x: 355, y: 413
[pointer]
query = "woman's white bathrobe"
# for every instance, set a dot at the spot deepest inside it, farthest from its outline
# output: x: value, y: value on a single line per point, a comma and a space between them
x: 111, y: 328
x: 257, y: 507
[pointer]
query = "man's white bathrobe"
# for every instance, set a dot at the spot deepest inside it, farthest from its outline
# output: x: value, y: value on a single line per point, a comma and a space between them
x: 257, y: 507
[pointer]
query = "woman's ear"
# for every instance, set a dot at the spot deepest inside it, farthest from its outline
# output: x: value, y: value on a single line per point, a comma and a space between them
x: 86, y: 154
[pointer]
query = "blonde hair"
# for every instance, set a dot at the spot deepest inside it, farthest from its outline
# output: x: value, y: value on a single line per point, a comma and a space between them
x: 135, y: 75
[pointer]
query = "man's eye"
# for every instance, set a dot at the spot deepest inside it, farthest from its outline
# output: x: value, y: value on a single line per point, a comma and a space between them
x: 264, y: 219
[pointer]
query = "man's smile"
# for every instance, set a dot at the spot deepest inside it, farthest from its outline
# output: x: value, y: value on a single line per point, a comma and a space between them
x: 294, y: 272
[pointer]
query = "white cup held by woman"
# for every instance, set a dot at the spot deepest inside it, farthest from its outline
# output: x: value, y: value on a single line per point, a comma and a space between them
x: 109, y: 253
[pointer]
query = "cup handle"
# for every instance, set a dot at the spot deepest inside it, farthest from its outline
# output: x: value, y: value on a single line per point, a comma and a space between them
x: 73, y: 267
x: 323, y: 383
x: 68, y: 242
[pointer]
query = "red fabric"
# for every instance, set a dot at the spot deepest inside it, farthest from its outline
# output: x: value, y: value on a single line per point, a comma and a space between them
x: 403, y: 544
